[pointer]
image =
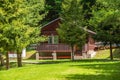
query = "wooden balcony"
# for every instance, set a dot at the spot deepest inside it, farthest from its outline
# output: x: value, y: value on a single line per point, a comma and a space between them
x: 45, y: 47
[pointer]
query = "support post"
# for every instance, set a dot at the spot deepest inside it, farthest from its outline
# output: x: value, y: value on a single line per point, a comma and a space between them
x: 37, y: 56
x: 54, y: 55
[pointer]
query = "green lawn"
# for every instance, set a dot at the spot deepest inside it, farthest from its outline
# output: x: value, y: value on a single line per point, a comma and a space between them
x: 105, y: 54
x: 65, y: 70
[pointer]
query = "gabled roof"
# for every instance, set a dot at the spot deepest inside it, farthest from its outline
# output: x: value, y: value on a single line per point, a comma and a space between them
x: 56, y: 21
x: 52, y: 25
x: 89, y: 31
x: 51, y: 22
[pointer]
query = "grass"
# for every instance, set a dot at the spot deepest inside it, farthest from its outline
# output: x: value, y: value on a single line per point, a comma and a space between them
x: 102, y: 54
x: 65, y: 70
x: 105, y: 54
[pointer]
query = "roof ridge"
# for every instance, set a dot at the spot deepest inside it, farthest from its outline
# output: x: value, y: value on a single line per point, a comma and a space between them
x: 51, y: 22
x: 88, y: 30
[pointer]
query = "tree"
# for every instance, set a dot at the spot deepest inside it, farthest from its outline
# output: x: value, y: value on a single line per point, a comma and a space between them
x: 5, y: 45
x: 71, y: 29
x: 32, y: 30
x: 19, y: 20
x: 53, y: 8
x: 106, y: 19
x: 87, y: 11
x: 1, y: 58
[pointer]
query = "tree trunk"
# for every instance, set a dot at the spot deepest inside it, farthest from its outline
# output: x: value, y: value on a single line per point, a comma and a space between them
x: 1, y: 61
x: 19, y: 59
x: 111, y: 54
x: 72, y: 53
x: 7, y: 61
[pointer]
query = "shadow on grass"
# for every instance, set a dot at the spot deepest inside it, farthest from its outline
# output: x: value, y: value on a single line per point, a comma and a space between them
x: 108, y: 71
x: 100, y: 66
x: 70, y: 61
x: 116, y: 53
x: 92, y: 77
x: 12, y: 65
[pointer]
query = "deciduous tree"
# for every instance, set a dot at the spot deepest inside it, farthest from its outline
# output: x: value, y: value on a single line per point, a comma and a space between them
x: 19, y: 24
x: 106, y: 20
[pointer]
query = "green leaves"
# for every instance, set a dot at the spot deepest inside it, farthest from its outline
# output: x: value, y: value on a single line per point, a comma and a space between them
x: 106, y: 20
x: 19, y: 23
x: 33, y: 16
x: 70, y: 30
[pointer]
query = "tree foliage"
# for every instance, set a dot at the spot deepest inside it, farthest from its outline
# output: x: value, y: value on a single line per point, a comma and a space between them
x: 106, y: 21
x: 19, y: 23
x: 53, y: 8
x: 71, y: 27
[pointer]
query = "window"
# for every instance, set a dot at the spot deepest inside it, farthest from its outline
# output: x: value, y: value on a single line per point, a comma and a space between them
x: 56, y: 40
x: 53, y: 39
x: 50, y: 39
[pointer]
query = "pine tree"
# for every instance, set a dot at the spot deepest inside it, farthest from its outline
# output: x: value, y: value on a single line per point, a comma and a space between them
x: 71, y: 27
x: 53, y: 8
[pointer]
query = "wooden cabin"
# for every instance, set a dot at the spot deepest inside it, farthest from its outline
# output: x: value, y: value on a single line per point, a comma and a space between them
x: 55, y: 47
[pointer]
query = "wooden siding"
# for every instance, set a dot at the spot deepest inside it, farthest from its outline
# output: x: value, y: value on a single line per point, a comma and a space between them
x: 47, y: 33
x: 44, y: 47
x: 91, y: 46
x: 91, y: 42
x: 51, y: 28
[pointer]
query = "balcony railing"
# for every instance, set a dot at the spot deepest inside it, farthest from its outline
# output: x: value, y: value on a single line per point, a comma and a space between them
x: 45, y: 47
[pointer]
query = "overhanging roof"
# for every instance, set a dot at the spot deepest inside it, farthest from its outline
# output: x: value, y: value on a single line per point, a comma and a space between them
x: 88, y: 30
